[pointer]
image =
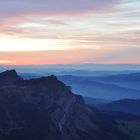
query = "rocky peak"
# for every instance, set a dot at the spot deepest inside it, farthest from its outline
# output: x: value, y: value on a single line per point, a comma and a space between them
x: 9, y: 73
x: 9, y: 77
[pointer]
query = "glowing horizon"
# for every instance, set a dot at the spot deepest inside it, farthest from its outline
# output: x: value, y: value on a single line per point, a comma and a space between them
x: 100, y: 31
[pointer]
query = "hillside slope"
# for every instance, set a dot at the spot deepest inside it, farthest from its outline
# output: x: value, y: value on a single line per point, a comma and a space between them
x: 46, y: 109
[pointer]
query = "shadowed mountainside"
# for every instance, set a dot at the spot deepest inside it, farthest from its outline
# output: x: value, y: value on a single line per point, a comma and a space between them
x: 46, y: 109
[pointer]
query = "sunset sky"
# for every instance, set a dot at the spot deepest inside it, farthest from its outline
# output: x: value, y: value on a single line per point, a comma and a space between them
x: 69, y: 32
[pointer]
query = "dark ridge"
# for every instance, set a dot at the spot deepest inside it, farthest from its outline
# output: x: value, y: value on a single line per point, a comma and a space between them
x: 125, y: 106
x: 46, y: 109
x: 9, y: 77
x: 8, y: 73
x: 50, y: 80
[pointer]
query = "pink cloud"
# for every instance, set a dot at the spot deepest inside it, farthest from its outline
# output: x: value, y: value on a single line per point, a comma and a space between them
x: 76, y: 56
x: 51, y: 57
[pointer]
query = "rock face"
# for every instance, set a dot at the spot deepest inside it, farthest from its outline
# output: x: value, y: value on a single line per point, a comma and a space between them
x: 46, y: 109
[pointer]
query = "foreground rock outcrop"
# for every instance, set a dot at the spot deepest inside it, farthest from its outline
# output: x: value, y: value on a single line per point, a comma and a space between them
x: 46, y: 109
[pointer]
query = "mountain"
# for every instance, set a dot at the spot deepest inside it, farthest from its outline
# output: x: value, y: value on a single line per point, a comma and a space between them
x: 60, y: 68
x: 92, y: 87
x: 127, y: 123
x: 131, y: 80
x: 126, y: 105
x: 9, y: 77
x: 46, y: 109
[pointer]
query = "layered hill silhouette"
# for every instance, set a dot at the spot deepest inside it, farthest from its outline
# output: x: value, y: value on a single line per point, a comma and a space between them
x: 108, y: 87
x: 46, y: 109
x: 130, y: 106
x: 131, y: 80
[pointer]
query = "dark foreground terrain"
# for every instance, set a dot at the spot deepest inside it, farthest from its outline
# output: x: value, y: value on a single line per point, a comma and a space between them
x: 46, y: 109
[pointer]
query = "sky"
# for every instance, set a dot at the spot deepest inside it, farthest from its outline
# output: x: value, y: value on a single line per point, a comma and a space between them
x: 35, y: 32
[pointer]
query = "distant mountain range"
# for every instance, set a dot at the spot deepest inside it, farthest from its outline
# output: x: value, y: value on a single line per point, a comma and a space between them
x: 46, y: 109
x: 105, y: 87
x: 128, y: 106
x: 111, y: 87
x: 131, y: 80
x: 75, y: 69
